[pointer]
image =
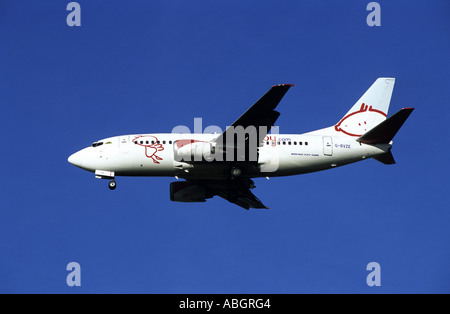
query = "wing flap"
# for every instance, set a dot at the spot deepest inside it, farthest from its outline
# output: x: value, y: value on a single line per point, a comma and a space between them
x: 236, y: 191
x: 245, y: 199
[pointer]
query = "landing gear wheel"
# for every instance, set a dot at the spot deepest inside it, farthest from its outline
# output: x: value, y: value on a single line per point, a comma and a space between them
x: 236, y: 172
x: 112, y: 185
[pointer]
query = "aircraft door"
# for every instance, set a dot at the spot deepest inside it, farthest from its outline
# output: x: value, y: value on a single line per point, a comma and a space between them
x: 328, y: 146
x: 124, y: 144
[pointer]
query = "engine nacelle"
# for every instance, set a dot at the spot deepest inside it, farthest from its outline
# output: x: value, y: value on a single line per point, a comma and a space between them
x: 187, y: 192
x: 193, y: 150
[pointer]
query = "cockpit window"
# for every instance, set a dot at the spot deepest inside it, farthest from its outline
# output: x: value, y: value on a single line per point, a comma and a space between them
x: 95, y: 144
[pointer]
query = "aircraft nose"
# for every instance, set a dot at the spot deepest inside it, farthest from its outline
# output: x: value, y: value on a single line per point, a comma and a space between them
x: 76, y: 159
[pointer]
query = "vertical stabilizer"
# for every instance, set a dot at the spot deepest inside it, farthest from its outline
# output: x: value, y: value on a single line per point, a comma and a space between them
x: 369, y: 111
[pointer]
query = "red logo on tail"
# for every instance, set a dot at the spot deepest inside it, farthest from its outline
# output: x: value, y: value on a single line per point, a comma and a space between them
x: 356, y: 122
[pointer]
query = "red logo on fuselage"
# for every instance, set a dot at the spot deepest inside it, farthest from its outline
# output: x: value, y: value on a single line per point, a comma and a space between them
x: 152, y: 146
x: 272, y: 139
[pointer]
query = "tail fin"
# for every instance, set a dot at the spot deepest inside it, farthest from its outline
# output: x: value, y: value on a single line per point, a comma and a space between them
x: 370, y: 110
x: 386, y: 130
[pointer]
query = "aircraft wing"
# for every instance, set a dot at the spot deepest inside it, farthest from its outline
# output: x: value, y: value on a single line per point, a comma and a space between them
x: 236, y: 191
x: 244, y: 198
x: 262, y: 113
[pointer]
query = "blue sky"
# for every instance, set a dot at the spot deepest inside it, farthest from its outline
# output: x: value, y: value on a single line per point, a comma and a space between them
x: 148, y: 66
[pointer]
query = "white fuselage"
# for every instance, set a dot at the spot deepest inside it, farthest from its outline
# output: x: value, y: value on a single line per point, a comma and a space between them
x: 281, y: 155
x: 222, y: 164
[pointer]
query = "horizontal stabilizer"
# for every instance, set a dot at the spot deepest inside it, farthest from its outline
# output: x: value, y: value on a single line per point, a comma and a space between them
x: 386, y: 159
x: 386, y: 130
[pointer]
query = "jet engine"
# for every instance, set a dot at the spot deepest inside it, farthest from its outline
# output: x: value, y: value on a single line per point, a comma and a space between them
x: 188, y: 192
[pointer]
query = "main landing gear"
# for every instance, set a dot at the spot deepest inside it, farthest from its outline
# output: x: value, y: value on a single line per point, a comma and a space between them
x: 236, y: 172
x: 112, y: 184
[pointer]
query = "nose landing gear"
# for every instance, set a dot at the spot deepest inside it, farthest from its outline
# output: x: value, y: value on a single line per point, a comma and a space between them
x: 112, y: 184
x: 108, y: 175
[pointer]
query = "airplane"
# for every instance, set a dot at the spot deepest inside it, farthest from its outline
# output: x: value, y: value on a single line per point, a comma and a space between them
x: 224, y: 164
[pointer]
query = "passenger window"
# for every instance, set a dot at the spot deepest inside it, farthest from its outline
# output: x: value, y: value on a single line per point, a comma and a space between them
x: 289, y: 143
x: 295, y: 143
x: 135, y: 142
x: 142, y: 142
x: 170, y: 142
x: 164, y: 142
x: 153, y: 142
x: 306, y: 143
x: 146, y: 142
